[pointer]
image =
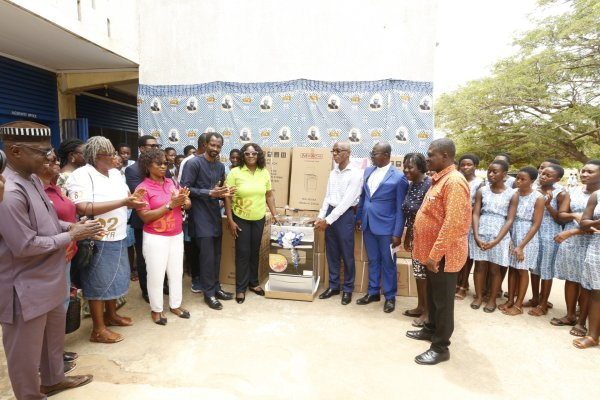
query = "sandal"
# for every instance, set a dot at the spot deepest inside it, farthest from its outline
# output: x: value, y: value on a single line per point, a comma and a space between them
x: 161, y: 320
x: 475, y: 306
x: 530, y: 303
x: 461, y: 294
x: 563, y: 321
x: 512, y: 311
x: 538, y: 311
x: 181, y: 312
x: 121, y: 321
x: 585, y: 342
x: 105, y: 336
x: 418, y: 324
x: 489, y: 310
x: 579, y: 332
x: 505, y: 306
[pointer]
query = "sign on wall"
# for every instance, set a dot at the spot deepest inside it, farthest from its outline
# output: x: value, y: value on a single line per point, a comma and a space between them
x: 298, y: 113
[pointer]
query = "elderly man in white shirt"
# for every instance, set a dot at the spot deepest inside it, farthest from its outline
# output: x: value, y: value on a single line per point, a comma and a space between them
x: 337, y: 218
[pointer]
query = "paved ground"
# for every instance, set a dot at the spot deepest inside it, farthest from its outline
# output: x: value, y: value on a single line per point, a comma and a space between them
x: 274, y: 349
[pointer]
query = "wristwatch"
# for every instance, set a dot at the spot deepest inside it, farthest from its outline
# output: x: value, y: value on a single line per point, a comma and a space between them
x: 169, y: 207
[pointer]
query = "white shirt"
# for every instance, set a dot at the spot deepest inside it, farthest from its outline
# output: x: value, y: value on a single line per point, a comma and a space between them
x: 376, y: 177
x: 343, y: 192
x: 182, y: 165
x: 105, y: 188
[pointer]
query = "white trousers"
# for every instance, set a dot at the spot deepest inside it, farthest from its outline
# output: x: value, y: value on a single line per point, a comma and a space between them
x: 163, y: 254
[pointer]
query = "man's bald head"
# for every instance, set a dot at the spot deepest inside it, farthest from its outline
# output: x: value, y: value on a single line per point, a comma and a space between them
x: 343, y: 146
x: 444, y: 145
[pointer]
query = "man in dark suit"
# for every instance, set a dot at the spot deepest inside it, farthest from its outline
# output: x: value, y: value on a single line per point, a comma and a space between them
x: 132, y: 178
x: 401, y: 136
x: 204, y: 175
x: 381, y: 219
x: 425, y: 105
x: 313, y: 135
x: 226, y: 103
x: 354, y: 137
x: 333, y: 105
x: 192, y: 105
x: 33, y: 245
x: 284, y: 135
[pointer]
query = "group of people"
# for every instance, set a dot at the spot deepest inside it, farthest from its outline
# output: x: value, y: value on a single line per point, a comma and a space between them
x: 89, y: 206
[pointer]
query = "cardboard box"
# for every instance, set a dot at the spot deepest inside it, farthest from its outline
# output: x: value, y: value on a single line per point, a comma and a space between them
x: 310, y: 173
x: 279, y: 162
x: 407, y: 284
x: 361, y: 275
x: 227, y: 268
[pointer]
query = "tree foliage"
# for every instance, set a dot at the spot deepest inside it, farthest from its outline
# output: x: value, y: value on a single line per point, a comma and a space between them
x: 542, y: 102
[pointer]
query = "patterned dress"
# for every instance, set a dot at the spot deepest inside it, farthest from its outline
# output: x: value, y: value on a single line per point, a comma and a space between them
x: 590, y: 277
x: 494, y: 210
x: 548, y: 247
x: 473, y: 185
x: 571, y: 252
x: 523, y: 222
x: 412, y: 202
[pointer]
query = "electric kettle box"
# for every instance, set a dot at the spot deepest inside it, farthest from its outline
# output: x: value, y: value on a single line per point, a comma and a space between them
x: 310, y: 172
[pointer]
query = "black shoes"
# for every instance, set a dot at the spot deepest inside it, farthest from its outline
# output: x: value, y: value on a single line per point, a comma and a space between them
x: 432, y: 357
x: 389, y: 306
x: 257, y: 290
x: 421, y: 334
x: 145, y: 297
x: 329, y: 292
x: 241, y: 299
x: 69, y: 356
x: 369, y: 298
x: 223, y: 295
x: 346, y: 298
x: 213, y: 303
x: 69, y: 366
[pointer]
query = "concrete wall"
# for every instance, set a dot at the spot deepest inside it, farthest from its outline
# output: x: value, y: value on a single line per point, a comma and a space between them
x: 89, y: 20
x: 195, y: 41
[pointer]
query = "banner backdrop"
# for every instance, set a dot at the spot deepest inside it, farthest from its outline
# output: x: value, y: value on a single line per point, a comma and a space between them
x: 298, y: 113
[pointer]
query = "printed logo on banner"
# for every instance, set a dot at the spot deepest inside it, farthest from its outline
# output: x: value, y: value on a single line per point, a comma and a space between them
x: 173, y: 136
x: 284, y: 134
x: 226, y: 103
x: 402, y: 134
x: 334, y: 133
x: 227, y: 132
x: 425, y: 104
x: 140, y: 101
x: 375, y: 133
x: 173, y: 101
x: 376, y: 102
x: 245, y: 135
x: 156, y: 134
x: 191, y: 105
x: 155, y: 107
x: 313, y: 134
x: 265, y: 133
x: 266, y: 104
x: 191, y: 133
x: 354, y: 136
x: 333, y: 103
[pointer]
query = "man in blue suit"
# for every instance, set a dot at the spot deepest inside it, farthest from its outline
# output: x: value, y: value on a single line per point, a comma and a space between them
x: 381, y: 219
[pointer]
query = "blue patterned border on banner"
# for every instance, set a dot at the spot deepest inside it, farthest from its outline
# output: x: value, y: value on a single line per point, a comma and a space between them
x: 298, y: 113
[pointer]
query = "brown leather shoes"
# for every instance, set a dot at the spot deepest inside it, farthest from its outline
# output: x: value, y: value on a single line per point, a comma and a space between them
x: 70, y: 382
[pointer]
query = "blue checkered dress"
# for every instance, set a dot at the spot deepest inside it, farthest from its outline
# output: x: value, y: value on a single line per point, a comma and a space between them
x: 520, y: 228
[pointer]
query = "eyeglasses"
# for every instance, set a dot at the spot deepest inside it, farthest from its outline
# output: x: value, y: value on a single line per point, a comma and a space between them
x: 376, y: 153
x: 113, y: 154
x: 160, y: 164
x: 46, y: 152
x: 336, y: 151
x: 250, y: 153
x: 154, y: 146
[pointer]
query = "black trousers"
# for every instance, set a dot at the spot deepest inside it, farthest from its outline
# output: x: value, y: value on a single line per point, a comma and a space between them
x: 441, y: 287
x: 247, y: 249
x: 140, y: 263
x: 192, y: 256
x: 210, y: 263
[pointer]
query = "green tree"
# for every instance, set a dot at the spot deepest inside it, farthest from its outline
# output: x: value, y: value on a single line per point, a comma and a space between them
x: 542, y: 102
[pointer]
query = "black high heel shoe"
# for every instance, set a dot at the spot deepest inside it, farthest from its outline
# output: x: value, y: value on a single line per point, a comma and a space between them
x: 240, y: 300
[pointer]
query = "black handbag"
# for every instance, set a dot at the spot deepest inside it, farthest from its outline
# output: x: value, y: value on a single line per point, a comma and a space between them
x: 73, y: 315
x: 86, y: 247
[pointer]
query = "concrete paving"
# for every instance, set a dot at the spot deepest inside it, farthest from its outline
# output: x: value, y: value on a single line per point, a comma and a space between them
x: 276, y: 349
